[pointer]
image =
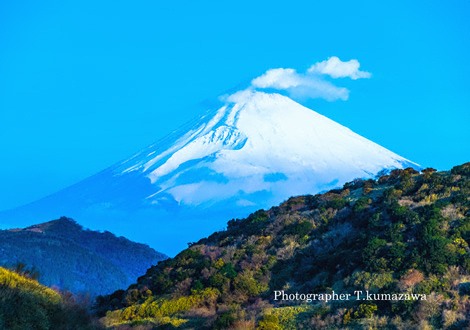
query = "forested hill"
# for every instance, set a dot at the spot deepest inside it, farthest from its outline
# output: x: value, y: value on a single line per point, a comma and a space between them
x: 71, y: 258
x: 25, y: 304
x: 404, y: 233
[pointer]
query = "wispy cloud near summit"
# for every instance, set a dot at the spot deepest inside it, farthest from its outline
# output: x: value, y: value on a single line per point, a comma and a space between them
x: 313, y: 84
x: 336, y: 68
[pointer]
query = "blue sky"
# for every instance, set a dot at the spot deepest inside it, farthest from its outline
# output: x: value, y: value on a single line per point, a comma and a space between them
x: 86, y: 84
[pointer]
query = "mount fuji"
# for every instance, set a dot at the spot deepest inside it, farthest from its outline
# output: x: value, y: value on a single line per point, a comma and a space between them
x: 255, y: 151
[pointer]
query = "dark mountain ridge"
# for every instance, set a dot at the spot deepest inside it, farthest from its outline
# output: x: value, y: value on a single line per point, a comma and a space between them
x: 72, y: 258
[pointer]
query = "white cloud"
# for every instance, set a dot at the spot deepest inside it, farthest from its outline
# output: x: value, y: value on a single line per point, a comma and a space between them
x: 312, y: 84
x: 300, y: 85
x: 318, y: 88
x: 336, y: 68
x: 278, y: 78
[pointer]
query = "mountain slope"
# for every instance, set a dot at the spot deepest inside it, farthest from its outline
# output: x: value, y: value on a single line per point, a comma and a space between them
x: 405, y: 233
x: 71, y: 258
x: 25, y: 304
x: 259, y: 142
x: 254, y: 151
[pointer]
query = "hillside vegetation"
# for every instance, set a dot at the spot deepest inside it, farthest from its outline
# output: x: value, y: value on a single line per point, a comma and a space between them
x: 71, y: 258
x: 404, y: 233
x: 25, y: 304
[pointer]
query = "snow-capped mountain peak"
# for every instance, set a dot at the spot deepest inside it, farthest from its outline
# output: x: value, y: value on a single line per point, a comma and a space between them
x: 253, y: 152
x: 259, y: 142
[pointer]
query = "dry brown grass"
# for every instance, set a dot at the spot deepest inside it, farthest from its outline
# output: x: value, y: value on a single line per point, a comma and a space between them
x: 410, y: 279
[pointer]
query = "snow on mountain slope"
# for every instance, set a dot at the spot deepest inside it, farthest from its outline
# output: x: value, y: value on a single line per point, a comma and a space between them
x: 253, y: 152
x: 260, y: 142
